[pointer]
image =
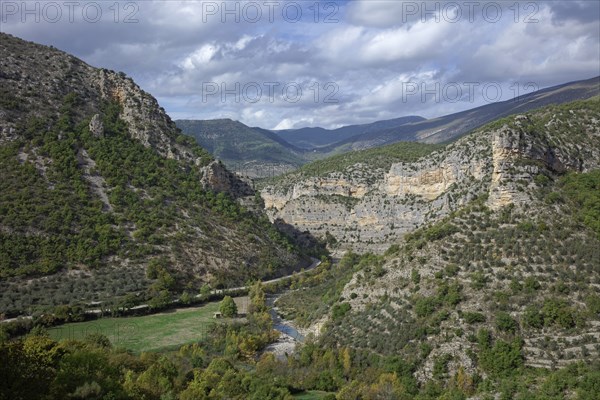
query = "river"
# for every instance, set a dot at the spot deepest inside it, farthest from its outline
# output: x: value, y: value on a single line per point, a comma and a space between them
x: 289, y: 338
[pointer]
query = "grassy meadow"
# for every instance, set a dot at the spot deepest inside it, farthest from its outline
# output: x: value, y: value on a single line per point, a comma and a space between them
x: 146, y: 333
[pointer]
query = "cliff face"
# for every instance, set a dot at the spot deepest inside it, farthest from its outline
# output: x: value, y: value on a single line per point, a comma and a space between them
x: 368, y: 210
x: 36, y: 78
x: 148, y: 123
x: 370, y: 215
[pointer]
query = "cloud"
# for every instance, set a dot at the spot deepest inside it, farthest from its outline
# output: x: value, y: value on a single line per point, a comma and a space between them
x: 351, y: 60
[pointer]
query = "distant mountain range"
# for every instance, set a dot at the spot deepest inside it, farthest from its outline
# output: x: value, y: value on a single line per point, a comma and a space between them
x: 449, y: 127
x: 258, y: 152
x: 310, y: 138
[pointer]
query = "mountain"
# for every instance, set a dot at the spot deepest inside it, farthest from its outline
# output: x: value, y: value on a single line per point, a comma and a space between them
x: 449, y: 127
x: 489, y: 256
x: 310, y: 138
x: 260, y: 153
x: 366, y: 200
x: 102, y: 196
x: 249, y: 151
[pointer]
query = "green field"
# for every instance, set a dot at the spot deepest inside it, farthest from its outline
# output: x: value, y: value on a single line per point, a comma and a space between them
x: 146, y: 333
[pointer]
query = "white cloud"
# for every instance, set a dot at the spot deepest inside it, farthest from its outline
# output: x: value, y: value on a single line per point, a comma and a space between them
x: 374, y: 49
x: 284, y: 124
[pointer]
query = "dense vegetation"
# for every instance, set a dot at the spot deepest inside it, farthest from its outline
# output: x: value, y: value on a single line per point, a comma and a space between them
x: 312, y: 296
x: 227, y: 364
x: 583, y: 190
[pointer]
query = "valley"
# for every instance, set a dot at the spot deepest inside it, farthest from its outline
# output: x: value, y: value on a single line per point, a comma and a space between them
x: 455, y: 257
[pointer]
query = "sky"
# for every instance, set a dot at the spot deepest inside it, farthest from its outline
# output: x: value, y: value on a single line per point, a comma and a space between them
x: 291, y: 64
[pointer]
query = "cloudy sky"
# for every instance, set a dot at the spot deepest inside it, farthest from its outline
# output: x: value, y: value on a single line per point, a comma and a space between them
x: 289, y: 64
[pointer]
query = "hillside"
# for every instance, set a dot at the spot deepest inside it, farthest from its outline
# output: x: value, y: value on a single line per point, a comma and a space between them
x: 367, y: 200
x: 506, y: 278
x: 483, y: 285
x: 102, y: 196
x: 248, y: 151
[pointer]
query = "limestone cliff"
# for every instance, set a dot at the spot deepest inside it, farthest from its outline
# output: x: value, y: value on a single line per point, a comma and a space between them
x: 367, y: 210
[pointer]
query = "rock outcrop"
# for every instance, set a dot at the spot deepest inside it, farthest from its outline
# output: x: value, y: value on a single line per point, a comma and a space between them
x: 37, y: 78
x: 96, y: 126
x: 216, y: 177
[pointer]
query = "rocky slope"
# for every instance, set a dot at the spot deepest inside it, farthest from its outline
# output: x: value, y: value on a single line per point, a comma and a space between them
x: 487, y: 290
x: 366, y: 207
x: 98, y: 182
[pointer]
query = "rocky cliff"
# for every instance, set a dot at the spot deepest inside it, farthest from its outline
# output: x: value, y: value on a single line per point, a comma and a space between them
x: 367, y: 209
x: 36, y: 78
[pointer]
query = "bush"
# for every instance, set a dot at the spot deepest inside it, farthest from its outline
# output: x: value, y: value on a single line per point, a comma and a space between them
x: 228, y: 307
x: 503, y: 358
x: 533, y: 318
x: 505, y: 322
x: 340, y: 310
x: 425, y: 306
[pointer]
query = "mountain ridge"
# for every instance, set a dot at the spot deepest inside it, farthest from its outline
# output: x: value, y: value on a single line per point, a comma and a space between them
x: 262, y: 153
x: 452, y: 126
x: 319, y: 137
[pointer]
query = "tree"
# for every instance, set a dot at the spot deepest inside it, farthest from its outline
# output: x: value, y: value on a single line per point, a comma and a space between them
x: 257, y: 298
x: 228, y: 307
x: 185, y: 298
x: 505, y: 323
x: 205, y: 292
x: 160, y: 299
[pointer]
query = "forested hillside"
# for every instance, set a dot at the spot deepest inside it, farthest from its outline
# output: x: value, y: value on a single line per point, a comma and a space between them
x: 98, y: 184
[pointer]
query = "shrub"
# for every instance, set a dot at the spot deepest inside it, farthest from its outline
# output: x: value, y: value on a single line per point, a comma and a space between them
x: 505, y: 322
x: 228, y: 307
x: 503, y: 358
x: 340, y: 310
x: 425, y: 306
